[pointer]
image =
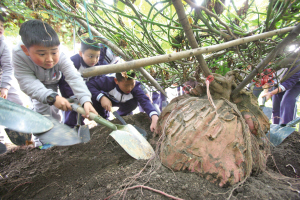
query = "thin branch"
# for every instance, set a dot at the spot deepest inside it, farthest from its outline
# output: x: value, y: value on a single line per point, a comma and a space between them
x: 134, y: 64
x: 293, y: 34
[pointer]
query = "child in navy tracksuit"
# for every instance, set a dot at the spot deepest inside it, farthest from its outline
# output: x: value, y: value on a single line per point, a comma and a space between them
x: 89, y: 55
x: 122, y: 91
x: 285, y: 97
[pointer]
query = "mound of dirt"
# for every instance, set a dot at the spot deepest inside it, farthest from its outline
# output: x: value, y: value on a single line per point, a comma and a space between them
x: 101, y: 169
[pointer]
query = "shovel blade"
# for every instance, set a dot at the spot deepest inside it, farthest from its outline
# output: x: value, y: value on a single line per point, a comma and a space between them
x: 133, y: 142
x: 59, y: 135
x: 280, y: 134
x: 21, y: 119
x: 18, y: 138
x: 84, y: 133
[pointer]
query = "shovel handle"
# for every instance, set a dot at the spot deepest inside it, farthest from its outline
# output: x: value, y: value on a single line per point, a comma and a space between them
x: 116, y: 114
x: 294, y: 122
x: 93, y: 116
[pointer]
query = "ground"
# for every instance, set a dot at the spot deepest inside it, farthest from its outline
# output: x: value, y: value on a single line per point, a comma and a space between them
x: 101, y: 169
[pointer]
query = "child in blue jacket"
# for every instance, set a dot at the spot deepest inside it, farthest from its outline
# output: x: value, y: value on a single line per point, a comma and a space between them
x: 90, y: 55
x: 284, y: 97
x: 120, y: 90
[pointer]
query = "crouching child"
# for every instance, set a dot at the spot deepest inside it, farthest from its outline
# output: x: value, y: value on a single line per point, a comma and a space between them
x: 120, y: 90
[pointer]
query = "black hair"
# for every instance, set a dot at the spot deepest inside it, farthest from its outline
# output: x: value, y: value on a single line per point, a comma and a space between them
x: 120, y: 78
x: 37, y: 32
x: 88, y: 44
x: 1, y: 18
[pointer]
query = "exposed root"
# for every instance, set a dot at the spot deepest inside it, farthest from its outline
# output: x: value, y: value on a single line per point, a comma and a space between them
x: 154, y: 167
x: 148, y: 188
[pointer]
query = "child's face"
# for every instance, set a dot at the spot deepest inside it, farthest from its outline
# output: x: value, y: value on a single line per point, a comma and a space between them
x: 90, y: 57
x: 1, y: 28
x: 126, y: 86
x: 45, y: 57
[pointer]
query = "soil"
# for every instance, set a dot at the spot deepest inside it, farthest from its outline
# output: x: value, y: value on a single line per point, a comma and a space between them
x: 101, y: 169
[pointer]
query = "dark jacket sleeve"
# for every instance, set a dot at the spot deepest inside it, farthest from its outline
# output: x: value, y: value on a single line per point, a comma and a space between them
x: 143, y: 100
x: 102, y: 56
x: 293, y: 80
x: 76, y: 59
x: 99, y: 85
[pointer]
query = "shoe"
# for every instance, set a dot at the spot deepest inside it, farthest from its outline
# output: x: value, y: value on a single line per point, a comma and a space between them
x: 46, y: 146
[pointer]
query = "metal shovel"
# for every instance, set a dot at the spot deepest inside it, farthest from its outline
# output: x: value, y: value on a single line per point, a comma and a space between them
x: 21, y: 122
x: 18, y: 138
x: 126, y: 135
x: 59, y: 135
x: 18, y: 118
x: 142, y: 131
x: 278, y: 133
x: 83, y: 130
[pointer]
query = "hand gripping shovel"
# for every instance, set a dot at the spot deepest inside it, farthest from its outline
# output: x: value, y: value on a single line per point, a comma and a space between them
x: 142, y: 131
x: 126, y: 135
x: 279, y: 133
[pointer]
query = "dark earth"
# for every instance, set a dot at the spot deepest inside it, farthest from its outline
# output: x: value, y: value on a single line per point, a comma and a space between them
x: 101, y: 169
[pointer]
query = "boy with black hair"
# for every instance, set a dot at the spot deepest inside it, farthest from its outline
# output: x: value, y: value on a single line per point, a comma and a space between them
x: 9, y: 86
x: 88, y: 56
x: 39, y: 65
x: 123, y: 91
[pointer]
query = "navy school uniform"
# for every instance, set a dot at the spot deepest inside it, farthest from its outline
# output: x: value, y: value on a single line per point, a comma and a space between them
x: 284, y: 103
x: 66, y: 91
x: 106, y: 86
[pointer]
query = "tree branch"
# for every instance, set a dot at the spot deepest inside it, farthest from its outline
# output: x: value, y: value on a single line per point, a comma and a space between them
x: 134, y: 64
x: 293, y: 34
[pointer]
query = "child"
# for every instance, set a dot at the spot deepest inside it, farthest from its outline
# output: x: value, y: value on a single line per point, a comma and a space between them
x: 284, y: 97
x: 9, y: 86
x: 39, y: 65
x: 88, y: 56
x: 120, y: 90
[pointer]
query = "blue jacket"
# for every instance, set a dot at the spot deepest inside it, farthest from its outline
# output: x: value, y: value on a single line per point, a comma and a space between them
x: 106, y: 86
x: 293, y: 80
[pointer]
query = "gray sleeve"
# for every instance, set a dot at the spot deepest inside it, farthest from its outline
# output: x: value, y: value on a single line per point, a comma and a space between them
x: 27, y: 79
x: 7, y: 75
x: 74, y: 79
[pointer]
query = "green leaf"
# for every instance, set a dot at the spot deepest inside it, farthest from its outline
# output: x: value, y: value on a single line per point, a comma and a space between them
x: 165, y: 46
x: 120, y: 5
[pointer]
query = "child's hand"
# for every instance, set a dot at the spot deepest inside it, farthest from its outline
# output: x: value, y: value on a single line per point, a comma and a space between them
x: 106, y: 103
x: 4, y: 92
x: 88, y: 107
x: 62, y: 103
x: 267, y: 95
x: 153, y: 123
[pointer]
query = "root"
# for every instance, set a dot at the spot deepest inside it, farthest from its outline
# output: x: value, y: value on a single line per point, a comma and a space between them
x: 20, y: 185
x: 154, y: 167
x: 148, y: 188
